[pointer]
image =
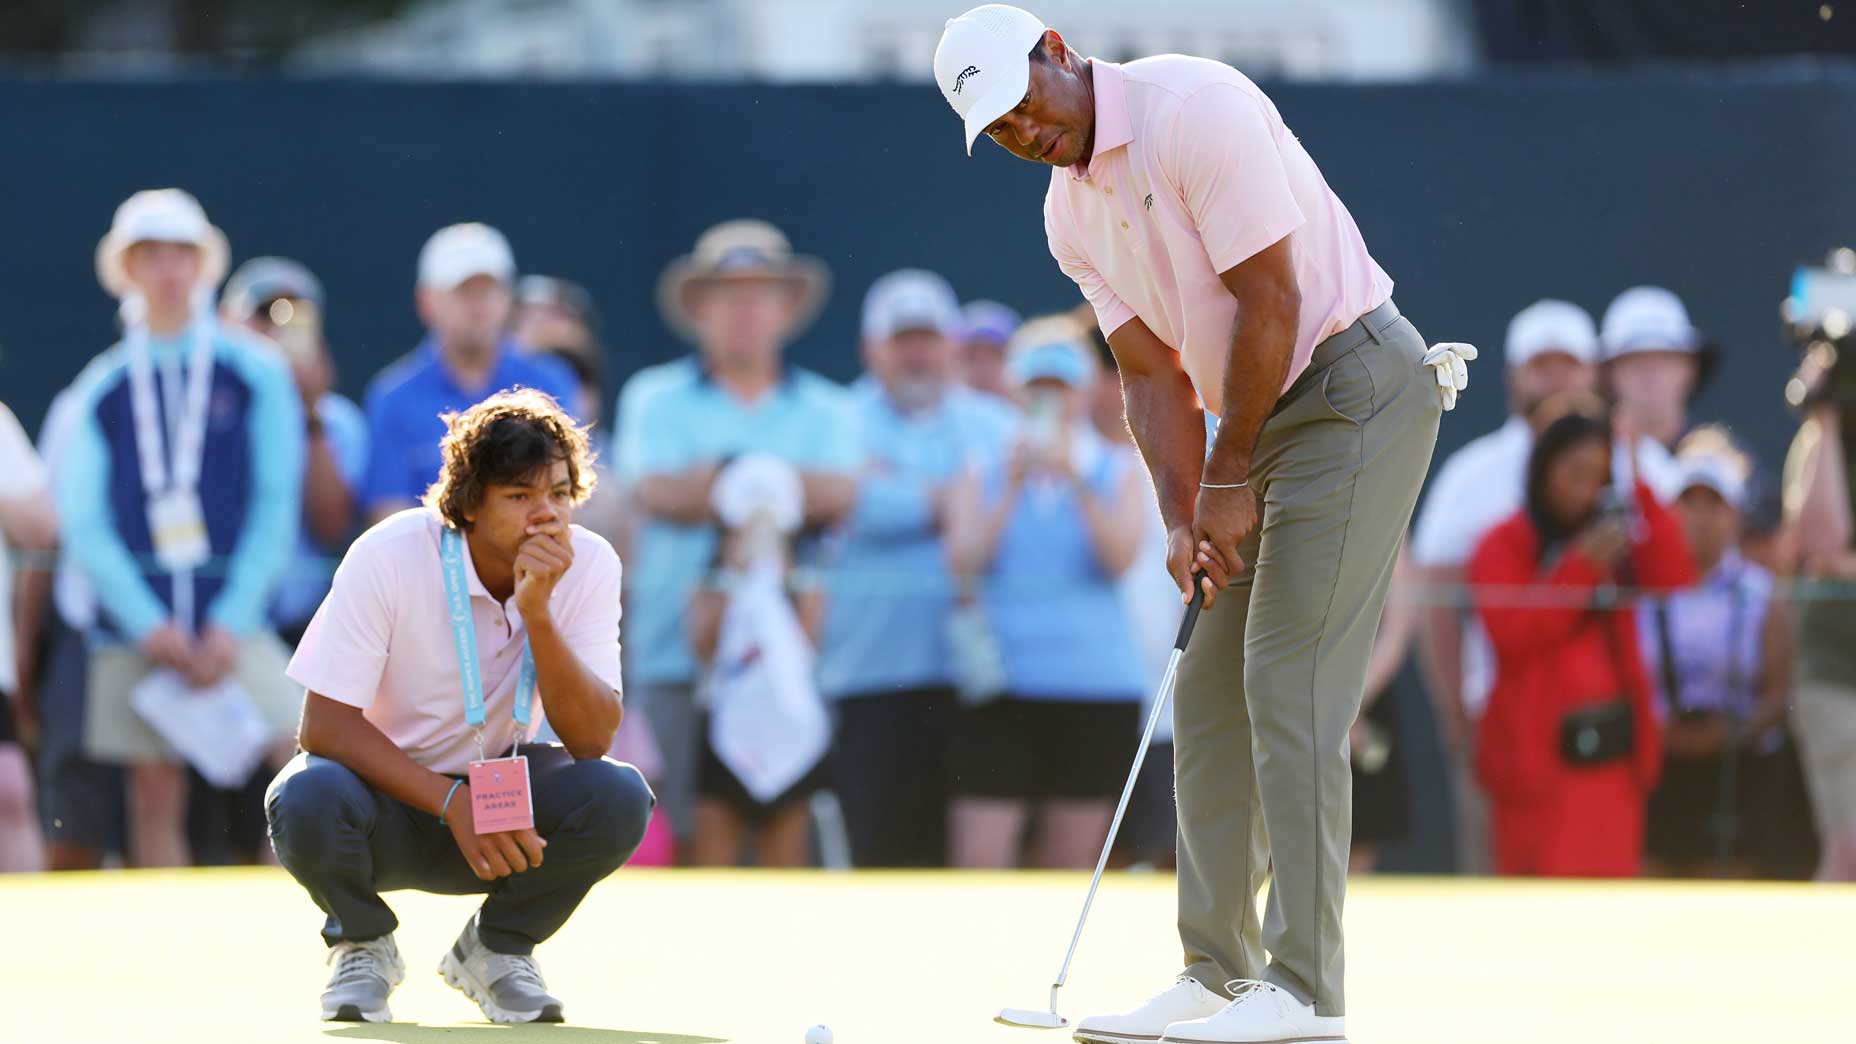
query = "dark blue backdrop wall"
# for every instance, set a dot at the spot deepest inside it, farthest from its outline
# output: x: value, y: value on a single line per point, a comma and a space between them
x: 1478, y: 197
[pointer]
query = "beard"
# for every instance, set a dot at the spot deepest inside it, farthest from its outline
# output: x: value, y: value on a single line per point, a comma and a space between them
x: 916, y: 393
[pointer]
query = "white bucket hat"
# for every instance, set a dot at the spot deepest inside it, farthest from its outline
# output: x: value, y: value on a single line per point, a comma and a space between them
x: 160, y: 216
x: 742, y: 249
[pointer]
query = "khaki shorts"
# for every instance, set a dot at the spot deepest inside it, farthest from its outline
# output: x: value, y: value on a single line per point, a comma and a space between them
x: 1824, y: 715
x: 114, y: 733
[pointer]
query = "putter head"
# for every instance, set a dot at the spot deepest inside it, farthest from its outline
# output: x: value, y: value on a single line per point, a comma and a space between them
x: 1025, y: 1018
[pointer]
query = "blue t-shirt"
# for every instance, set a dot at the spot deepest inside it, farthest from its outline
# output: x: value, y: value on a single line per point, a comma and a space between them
x: 404, y: 403
x: 673, y: 417
x: 888, y: 586
x: 1061, y: 625
x: 306, y: 580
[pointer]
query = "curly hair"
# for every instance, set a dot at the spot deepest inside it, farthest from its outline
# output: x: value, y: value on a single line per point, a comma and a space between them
x: 506, y: 439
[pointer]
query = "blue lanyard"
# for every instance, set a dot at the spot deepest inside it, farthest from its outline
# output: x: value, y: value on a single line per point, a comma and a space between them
x: 464, y: 639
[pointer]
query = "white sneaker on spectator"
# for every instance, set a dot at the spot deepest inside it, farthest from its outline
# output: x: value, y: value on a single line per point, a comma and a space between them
x: 1185, y: 999
x: 365, y: 974
x: 1260, y: 1013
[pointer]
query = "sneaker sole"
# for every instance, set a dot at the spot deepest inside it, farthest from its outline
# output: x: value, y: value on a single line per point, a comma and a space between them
x: 1170, y: 1039
x: 1274, y: 1040
x: 1102, y: 1037
x: 353, y: 1013
x: 452, y: 971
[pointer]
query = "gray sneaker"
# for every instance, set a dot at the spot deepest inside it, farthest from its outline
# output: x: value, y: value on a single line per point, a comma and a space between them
x: 365, y: 973
x: 508, y: 987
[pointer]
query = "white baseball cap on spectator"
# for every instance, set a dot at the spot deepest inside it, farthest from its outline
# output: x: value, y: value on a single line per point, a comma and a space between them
x: 456, y: 253
x: 1551, y: 326
x: 757, y: 486
x: 1648, y: 319
x: 983, y: 63
x: 1722, y: 474
x: 160, y: 216
x: 1652, y: 319
x: 910, y: 299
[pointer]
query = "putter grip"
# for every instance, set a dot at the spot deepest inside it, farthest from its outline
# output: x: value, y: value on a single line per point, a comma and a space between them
x: 1192, y: 613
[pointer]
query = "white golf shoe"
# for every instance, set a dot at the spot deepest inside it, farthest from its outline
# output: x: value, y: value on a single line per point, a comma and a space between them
x: 1185, y: 999
x: 1261, y: 1013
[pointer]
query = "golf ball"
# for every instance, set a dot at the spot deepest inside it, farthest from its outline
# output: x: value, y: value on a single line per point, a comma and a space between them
x: 820, y: 1034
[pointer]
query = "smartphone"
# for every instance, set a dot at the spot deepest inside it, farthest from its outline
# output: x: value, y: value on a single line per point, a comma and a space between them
x: 1044, y: 420
x: 297, y: 326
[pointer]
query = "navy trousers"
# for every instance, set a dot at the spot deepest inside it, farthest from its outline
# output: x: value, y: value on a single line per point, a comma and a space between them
x: 346, y: 843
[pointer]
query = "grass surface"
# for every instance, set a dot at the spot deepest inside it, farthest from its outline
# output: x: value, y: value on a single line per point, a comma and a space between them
x: 232, y: 957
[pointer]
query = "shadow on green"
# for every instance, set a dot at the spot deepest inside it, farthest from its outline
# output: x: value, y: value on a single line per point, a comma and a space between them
x: 413, y: 1033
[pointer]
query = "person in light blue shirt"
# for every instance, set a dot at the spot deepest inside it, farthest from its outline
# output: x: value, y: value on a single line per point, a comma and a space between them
x: 282, y: 301
x: 178, y: 493
x: 885, y: 658
x: 1049, y: 528
x: 466, y: 296
x: 740, y: 296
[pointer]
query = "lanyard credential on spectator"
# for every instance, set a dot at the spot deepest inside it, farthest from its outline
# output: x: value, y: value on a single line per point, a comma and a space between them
x: 464, y: 639
x: 170, y: 483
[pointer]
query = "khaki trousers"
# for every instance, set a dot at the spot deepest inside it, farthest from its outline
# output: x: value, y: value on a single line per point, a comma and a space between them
x: 1272, y: 680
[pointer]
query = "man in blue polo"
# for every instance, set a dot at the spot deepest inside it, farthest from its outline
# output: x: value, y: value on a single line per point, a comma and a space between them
x: 465, y: 297
x: 740, y: 296
x: 886, y: 659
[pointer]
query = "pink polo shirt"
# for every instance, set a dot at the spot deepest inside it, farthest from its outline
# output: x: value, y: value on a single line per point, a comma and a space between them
x: 382, y: 639
x: 1193, y: 173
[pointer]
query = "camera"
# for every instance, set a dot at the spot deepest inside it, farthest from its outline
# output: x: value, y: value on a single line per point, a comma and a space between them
x: 1819, y: 319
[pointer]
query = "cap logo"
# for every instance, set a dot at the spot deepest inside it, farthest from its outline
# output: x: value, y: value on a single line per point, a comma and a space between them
x: 961, y: 80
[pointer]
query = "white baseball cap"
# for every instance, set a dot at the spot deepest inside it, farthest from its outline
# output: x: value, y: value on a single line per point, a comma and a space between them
x: 910, y: 299
x: 1551, y: 326
x: 457, y: 252
x: 1648, y: 319
x: 1714, y: 471
x: 983, y: 63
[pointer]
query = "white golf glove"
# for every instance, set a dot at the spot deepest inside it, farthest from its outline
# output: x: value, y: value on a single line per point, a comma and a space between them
x: 1450, y: 361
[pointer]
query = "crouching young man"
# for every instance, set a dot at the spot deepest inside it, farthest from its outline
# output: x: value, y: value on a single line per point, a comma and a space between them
x: 423, y: 666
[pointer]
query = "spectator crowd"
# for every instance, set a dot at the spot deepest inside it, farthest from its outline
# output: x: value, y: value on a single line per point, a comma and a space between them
x: 910, y: 622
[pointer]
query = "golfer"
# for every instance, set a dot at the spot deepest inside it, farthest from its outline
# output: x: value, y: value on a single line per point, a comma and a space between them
x: 451, y: 630
x: 1228, y: 278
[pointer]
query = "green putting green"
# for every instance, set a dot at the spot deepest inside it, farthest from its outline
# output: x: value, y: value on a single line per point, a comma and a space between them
x: 685, y: 957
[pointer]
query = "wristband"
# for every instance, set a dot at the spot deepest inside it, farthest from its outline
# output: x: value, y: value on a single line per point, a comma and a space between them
x: 446, y: 807
x: 1224, y: 485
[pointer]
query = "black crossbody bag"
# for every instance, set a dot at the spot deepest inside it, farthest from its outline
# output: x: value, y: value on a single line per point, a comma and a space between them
x: 1600, y: 733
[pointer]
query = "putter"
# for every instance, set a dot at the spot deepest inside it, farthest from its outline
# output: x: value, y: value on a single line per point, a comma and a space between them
x: 1031, y: 1018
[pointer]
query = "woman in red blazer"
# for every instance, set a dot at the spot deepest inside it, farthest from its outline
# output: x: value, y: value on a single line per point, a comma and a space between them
x: 1568, y: 746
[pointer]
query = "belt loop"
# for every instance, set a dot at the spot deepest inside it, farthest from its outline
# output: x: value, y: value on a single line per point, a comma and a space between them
x: 1367, y: 322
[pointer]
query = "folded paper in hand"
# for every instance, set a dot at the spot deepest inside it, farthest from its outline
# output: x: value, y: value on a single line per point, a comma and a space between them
x: 219, y: 730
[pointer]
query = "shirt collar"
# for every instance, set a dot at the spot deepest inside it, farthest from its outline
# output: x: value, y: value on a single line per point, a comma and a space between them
x: 500, y: 377
x: 1726, y: 572
x: 1113, y: 126
x: 705, y: 374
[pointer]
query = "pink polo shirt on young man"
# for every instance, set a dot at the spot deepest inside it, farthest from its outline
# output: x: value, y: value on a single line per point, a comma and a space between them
x: 382, y: 639
x: 1194, y: 172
